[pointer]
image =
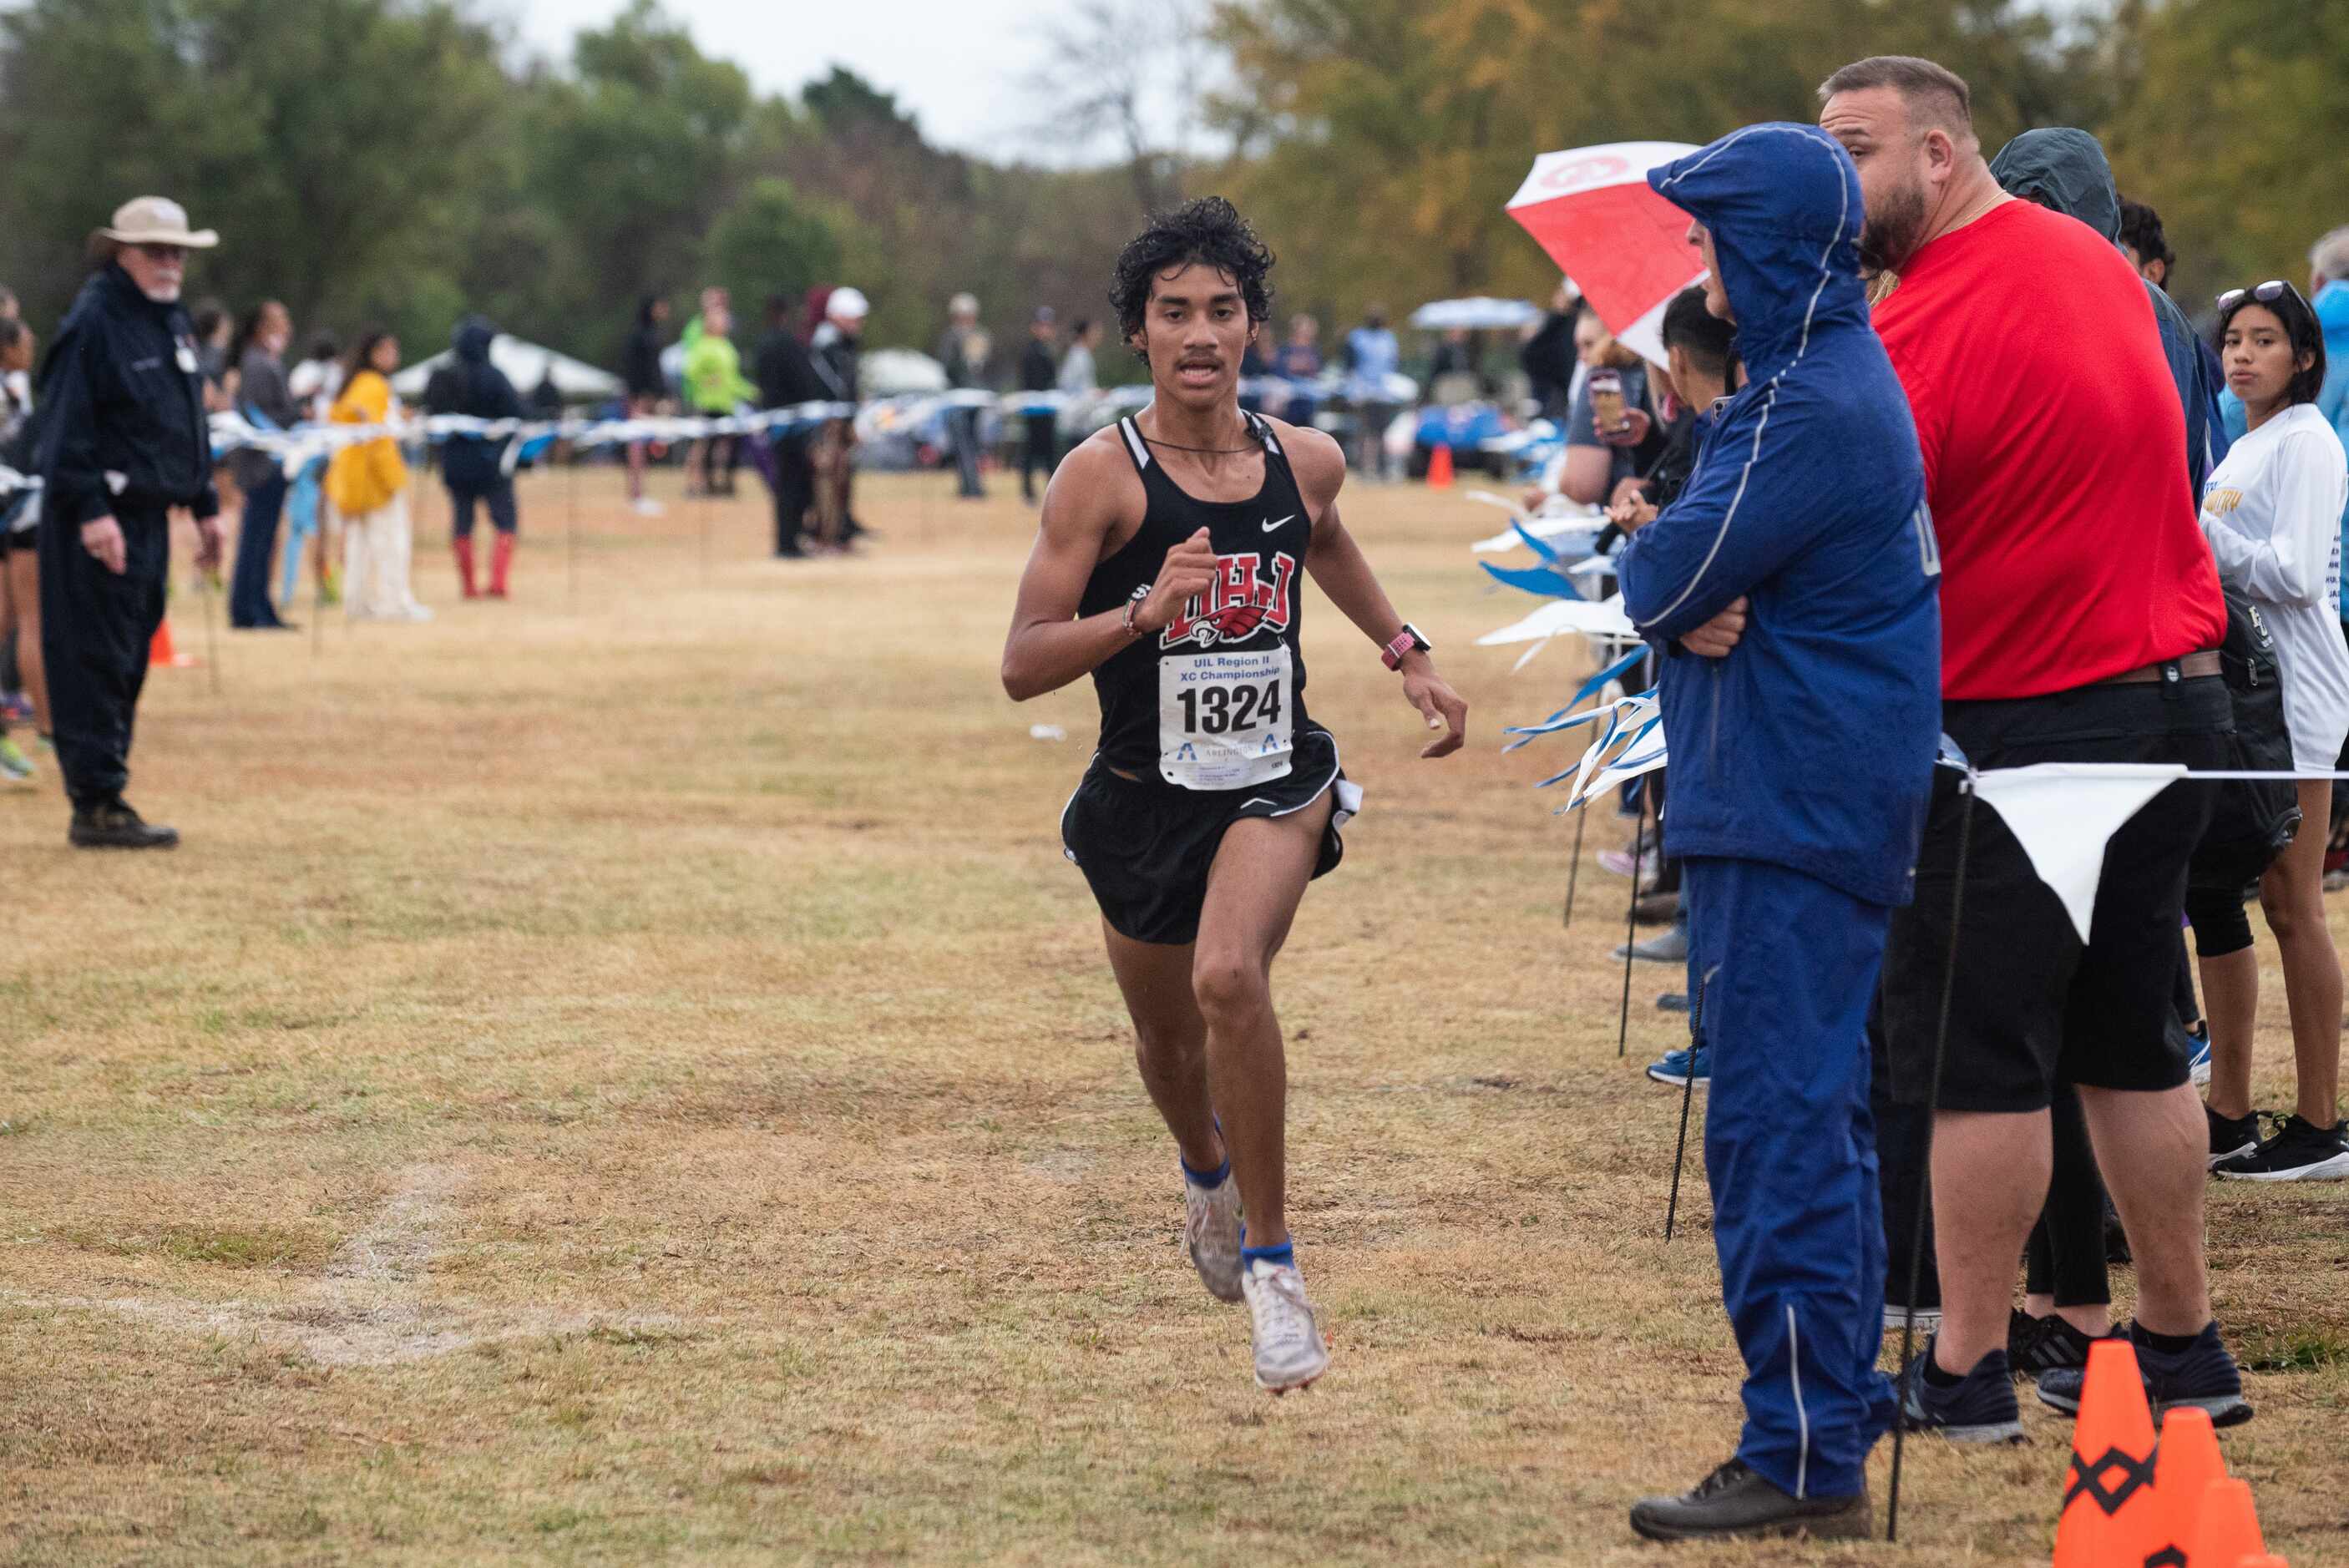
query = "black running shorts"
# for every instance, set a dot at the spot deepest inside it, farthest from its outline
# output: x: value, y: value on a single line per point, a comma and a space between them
x: 1145, y: 846
x: 2032, y: 1006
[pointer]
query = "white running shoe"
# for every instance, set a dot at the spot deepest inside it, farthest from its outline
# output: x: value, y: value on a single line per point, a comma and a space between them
x: 1289, y: 1351
x: 645, y: 506
x: 1211, y: 1234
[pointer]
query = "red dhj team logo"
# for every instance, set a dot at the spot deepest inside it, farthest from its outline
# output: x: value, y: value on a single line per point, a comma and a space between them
x: 1241, y: 603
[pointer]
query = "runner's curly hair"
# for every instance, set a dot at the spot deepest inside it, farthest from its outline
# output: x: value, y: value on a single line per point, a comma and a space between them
x: 1210, y: 231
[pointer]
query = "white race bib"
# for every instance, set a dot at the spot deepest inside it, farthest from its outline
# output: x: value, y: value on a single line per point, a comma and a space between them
x: 1226, y: 720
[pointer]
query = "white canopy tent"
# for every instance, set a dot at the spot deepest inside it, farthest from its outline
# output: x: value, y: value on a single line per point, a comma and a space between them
x: 1479, y: 313
x: 526, y: 365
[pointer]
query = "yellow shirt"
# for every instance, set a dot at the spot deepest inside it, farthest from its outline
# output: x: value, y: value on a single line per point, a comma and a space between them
x: 366, y: 474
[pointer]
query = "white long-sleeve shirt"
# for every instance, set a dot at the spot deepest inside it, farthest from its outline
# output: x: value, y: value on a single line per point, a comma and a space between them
x: 2272, y: 512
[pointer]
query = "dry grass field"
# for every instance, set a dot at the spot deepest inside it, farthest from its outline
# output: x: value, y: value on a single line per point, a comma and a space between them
x: 626, y: 1075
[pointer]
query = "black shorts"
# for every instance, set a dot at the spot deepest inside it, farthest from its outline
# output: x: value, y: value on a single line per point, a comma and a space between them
x: 2032, y: 1006
x: 1146, y: 846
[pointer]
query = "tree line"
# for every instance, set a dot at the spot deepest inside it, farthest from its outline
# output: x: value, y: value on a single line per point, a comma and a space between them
x: 389, y: 161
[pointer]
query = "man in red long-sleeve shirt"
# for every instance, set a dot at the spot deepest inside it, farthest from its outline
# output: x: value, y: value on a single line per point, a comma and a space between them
x: 2080, y: 614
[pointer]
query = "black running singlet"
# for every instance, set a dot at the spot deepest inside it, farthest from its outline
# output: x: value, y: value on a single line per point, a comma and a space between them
x: 1216, y: 700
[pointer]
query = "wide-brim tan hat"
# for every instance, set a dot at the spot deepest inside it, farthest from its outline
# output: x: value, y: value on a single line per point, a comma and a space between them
x: 156, y: 221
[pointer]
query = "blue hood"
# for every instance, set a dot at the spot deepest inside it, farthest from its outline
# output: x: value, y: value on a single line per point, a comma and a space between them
x: 2065, y: 171
x: 1783, y: 204
x: 2331, y: 307
x: 472, y: 339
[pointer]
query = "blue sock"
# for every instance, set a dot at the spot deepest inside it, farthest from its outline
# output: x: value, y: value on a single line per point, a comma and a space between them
x: 1208, y: 1181
x: 1282, y: 1256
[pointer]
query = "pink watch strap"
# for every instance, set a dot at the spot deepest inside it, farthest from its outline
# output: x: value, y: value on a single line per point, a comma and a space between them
x: 1405, y: 641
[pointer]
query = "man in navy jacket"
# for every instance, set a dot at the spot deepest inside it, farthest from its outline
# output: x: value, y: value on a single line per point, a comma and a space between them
x: 122, y: 441
x: 1793, y: 588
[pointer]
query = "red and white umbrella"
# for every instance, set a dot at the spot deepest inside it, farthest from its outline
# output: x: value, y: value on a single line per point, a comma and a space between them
x: 1625, y: 246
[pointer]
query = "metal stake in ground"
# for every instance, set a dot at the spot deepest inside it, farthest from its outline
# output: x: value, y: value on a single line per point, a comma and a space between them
x: 1631, y: 934
x: 571, y: 532
x: 1574, y: 866
x: 318, y: 598
x: 1932, y: 1105
x: 211, y: 627
x: 1687, y: 1094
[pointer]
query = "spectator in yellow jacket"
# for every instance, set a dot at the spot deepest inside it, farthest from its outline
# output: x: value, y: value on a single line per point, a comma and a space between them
x: 368, y: 483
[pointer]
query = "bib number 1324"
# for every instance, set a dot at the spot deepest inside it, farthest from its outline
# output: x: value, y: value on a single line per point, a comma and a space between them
x: 1224, y: 718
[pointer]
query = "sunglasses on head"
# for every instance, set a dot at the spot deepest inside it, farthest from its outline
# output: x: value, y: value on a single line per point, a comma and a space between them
x: 2267, y: 293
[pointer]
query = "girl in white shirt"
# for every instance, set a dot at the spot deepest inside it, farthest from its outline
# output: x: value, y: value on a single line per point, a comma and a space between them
x: 2272, y: 514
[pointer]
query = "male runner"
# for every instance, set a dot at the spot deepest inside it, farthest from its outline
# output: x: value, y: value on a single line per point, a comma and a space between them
x: 1167, y: 568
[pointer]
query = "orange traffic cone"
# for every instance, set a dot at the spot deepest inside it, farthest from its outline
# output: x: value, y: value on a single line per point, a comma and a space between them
x: 1439, y: 469
x: 2182, y: 1473
x: 162, y: 653
x: 2229, y: 1531
x: 2108, y: 1495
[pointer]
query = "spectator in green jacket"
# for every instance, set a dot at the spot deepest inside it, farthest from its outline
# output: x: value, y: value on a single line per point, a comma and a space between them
x: 714, y: 386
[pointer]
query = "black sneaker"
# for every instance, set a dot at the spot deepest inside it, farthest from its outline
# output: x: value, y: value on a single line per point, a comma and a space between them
x: 2299, y: 1151
x: 2038, y: 1345
x: 1734, y: 1502
x: 2203, y: 1375
x: 113, y: 825
x: 2231, y: 1135
x: 1980, y: 1409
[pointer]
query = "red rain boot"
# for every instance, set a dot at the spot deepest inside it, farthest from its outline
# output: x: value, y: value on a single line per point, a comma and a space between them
x: 502, y: 565
x: 463, y: 546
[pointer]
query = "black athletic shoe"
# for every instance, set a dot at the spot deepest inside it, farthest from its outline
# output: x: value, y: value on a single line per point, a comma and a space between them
x: 2203, y: 1375
x: 2299, y: 1151
x: 1734, y: 1504
x: 2038, y: 1345
x: 2231, y: 1135
x: 1980, y: 1409
x: 115, y: 826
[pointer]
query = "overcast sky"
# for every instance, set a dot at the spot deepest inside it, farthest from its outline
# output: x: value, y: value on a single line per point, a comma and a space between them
x: 955, y: 64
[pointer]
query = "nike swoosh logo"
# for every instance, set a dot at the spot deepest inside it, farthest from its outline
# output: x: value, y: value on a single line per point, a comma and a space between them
x: 1259, y: 799
x: 1270, y: 526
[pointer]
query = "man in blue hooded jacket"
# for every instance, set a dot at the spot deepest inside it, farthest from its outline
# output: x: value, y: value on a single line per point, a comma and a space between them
x: 1793, y: 587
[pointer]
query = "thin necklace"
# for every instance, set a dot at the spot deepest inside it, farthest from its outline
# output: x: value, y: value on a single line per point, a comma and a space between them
x: 1179, y: 447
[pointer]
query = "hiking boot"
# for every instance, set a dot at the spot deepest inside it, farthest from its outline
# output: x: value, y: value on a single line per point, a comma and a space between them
x: 2231, y: 1135
x: 1289, y: 1351
x: 1980, y: 1409
x: 2049, y: 1344
x: 2299, y: 1151
x: 2203, y: 1375
x: 113, y: 825
x: 1734, y: 1503
x: 1211, y: 1234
